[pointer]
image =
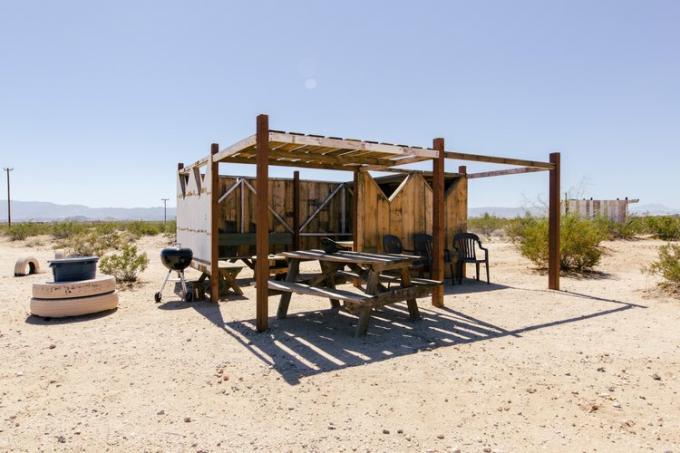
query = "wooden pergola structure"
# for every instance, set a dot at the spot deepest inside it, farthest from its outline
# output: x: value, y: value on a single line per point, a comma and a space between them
x: 198, y: 193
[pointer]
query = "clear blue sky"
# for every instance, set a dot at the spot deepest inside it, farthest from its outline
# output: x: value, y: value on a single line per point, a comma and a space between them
x: 100, y: 100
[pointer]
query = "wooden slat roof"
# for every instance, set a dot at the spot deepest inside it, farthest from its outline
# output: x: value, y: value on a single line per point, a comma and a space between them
x: 316, y: 151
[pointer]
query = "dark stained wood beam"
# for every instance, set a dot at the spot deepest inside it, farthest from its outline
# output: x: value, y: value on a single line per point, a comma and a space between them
x: 554, y: 224
x: 438, y: 222
x: 214, y: 224
x: 510, y: 171
x: 262, y: 219
x: 499, y: 160
x: 296, y: 210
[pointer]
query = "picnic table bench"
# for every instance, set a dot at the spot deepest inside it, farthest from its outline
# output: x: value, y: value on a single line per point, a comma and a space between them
x: 366, y: 272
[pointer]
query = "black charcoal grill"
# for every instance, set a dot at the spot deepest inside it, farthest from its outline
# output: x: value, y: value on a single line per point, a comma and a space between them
x: 176, y: 259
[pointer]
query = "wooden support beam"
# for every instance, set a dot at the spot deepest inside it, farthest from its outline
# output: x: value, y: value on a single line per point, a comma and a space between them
x: 499, y: 160
x: 262, y: 221
x: 214, y: 224
x: 357, y: 230
x: 293, y: 164
x: 554, y: 224
x: 462, y: 170
x: 438, y: 222
x: 296, y: 210
x: 510, y: 171
x: 408, y: 171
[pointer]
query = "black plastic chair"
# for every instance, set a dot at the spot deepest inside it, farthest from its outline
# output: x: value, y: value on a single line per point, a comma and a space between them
x: 392, y: 244
x: 422, y: 243
x: 465, y: 245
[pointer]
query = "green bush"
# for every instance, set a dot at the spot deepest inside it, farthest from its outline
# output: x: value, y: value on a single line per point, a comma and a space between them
x: 126, y: 265
x: 486, y: 224
x: 515, y: 228
x: 668, y: 265
x: 666, y: 228
x: 579, y: 242
x: 67, y: 230
x: 92, y: 243
x: 21, y: 231
x: 627, y: 230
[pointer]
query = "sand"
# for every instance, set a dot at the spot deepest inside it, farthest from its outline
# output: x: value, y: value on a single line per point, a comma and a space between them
x: 505, y: 367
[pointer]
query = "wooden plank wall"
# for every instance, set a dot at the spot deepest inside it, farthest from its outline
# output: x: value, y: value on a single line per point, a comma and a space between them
x: 233, y: 219
x: 616, y: 210
x: 193, y: 215
x: 456, y: 198
x: 408, y: 210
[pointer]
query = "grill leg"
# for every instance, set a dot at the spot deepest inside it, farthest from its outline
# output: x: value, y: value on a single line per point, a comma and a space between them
x: 165, y: 281
x: 180, y: 274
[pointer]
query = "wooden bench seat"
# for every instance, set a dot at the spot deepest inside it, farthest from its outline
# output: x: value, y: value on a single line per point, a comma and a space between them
x: 385, y: 278
x: 337, y: 294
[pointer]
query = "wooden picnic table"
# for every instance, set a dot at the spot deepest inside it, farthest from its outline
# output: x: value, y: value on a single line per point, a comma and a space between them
x: 366, y: 272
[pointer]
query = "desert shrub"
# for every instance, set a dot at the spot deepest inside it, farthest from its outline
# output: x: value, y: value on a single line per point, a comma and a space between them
x: 125, y: 266
x: 666, y: 228
x: 614, y: 230
x: 92, y: 243
x: 170, y: 227
x: 144, y: 228
x: 486, y: 224
x: 632, y: 227
x: 668, y: 265
x: 106, y: 227
x: 579, y: 242
x: 67, y: 229
x: 21, y: 231
x: 515, y: 228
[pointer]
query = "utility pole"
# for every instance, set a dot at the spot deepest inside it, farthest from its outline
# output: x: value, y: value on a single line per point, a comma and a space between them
x: 9, y: 205
x: 165, y: 210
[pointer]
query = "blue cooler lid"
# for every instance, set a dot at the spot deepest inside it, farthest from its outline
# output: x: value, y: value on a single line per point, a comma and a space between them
x: 74, y: 260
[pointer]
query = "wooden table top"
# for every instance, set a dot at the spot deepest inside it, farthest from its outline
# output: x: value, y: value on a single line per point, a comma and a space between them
x: 348, y: 257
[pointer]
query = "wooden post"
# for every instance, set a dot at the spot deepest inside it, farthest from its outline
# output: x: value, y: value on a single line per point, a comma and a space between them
x: 462, y: 169
x: 554, y: 224
x: 296, y: 210
x: 438, y: 222
x: 262, y: 220
x: 357, y: 230
x: 214, y: 223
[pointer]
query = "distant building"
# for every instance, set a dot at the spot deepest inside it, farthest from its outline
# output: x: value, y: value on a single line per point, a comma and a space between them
x: 616, y: 210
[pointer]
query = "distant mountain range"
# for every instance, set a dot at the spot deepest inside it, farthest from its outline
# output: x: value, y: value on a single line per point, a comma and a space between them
x: 652, y: 209
x: 39, y: 211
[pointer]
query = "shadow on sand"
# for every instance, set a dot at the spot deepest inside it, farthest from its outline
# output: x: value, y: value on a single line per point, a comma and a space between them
x: 39, y: 320
x: 310, y: 343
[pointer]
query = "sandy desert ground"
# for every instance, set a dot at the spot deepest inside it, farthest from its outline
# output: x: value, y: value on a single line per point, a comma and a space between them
x: 504, y: 367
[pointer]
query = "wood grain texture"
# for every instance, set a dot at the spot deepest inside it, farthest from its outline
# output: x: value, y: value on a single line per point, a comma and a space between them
x: 213, y: 176
x: 554, y: 224
x: 262, y: 222
x: 438, y: 221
